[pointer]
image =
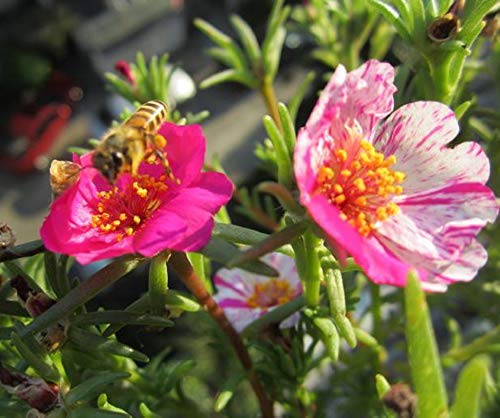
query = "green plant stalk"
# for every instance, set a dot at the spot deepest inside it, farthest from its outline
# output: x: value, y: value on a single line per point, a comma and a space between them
x: 479, y: 345
x: 83, y: 293
x: 158, y: 282
x: 23, y: 250
x: 183, y: 268
x: 376, y: 309
x: 312, y: 275
x: 268, y: 94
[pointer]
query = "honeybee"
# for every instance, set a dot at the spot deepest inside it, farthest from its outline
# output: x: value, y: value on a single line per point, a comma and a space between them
x: 122, y: 149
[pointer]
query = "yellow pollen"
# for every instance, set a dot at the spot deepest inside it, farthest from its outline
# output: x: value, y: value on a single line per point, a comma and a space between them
x: 340, y: 199
x: 359, y: 181
x: 341, y: 154
x: 122, y: 211
x: 359, y: 184
x: 274, y: 292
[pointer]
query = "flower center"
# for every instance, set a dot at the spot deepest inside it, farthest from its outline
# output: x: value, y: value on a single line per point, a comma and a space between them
x: 123, y: 210
x: 271, y: 293
x: 361, y: 184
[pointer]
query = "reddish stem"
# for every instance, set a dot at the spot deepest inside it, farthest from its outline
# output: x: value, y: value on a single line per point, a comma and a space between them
x: 183, y: 268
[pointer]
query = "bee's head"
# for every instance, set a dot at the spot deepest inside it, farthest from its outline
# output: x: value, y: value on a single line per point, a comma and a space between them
x: 108, y: 163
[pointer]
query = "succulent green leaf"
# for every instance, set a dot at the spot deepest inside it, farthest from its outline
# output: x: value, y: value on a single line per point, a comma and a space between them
x: 470, y: 385
x: 224, y: 252
x: 92, y: 387
x: 84, y: 292
x: 271, y: 243
x: 87, y: 340
x: 423, y: 355
x: 36, y: 358
x: 392, y: 16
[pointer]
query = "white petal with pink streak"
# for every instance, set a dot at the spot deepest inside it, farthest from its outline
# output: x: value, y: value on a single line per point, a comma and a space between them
x: 417, y: 134
x: 363, y: 96
x: 433, y: 229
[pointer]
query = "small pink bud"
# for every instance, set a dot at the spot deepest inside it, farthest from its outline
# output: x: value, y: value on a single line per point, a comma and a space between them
x: 38, y: 393
x: 123, y: 67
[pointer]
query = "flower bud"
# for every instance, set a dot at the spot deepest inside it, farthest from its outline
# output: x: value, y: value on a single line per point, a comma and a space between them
x: 7, y: 238
x: 444, y: 28
x: 63, y: 174
x: 401, y: 399
x: 38, y: 393
x: 124, y: 69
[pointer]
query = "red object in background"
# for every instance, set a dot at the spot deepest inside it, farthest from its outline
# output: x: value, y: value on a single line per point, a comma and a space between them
x: 32, y: 130
x: 32, y: 136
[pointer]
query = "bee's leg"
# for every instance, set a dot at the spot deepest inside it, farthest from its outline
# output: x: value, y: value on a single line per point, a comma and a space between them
x: 137, y: 153
x: 162, y: 156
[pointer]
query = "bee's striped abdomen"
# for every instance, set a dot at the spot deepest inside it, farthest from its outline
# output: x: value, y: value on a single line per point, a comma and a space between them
x: 148, y: 116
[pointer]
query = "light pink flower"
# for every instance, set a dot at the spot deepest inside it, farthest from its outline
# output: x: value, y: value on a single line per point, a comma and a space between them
x: 246, y: 296
x: 144, y: 214
x: 390, y: 192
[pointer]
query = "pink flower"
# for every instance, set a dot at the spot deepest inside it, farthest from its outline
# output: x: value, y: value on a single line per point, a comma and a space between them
x: 144, y: 214
x: 390, y: 192
x: 123, y: 67
x: 245, y: 296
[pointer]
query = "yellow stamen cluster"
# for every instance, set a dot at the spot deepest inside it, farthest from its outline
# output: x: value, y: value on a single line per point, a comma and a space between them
x: 271, y: 293
x: 123, y: 211
x: 360, y: 182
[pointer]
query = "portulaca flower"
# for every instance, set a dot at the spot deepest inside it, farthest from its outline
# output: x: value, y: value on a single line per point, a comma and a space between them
x: 246, y: 296
x: 390, y: 192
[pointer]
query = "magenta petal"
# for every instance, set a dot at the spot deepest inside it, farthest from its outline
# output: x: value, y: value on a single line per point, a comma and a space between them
x: 185, y: 149
x: 377, y: 261
x: 162, y: 231
x: 67, y: 228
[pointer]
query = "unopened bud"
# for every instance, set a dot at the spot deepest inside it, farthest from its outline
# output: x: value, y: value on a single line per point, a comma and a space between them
x: 38, y: 393
x: 444, y: 28
x: 492, y: 24
x: 123, y: 67
x: 35, y: 302
x: 7, y: 238
x: 63, y: 174
x: 402, y: 400
x: 38, y: 303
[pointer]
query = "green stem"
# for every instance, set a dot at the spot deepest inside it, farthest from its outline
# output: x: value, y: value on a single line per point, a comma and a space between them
x: 312, y: 279
x: 269, y: 96
x: 158, y: 282
x: 479, y: 345
x: 376, y: 309
x: 83, y: 293
x: 23, y: 250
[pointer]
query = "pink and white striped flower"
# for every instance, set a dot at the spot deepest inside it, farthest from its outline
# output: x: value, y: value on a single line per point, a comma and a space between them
x: 390, y: 192
x: 246, y: 296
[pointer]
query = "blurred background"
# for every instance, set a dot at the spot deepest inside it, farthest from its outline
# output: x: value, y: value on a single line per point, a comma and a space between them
x: 53, y: 57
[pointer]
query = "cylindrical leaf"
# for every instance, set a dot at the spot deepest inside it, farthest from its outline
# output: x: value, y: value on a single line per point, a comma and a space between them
x: 423, y: 355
